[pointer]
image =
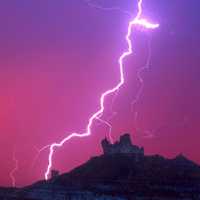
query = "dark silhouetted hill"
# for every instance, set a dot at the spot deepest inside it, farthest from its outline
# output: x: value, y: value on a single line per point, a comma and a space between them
x: 122, y: 172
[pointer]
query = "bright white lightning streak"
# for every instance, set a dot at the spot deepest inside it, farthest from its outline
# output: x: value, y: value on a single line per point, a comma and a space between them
x: 137, y: 21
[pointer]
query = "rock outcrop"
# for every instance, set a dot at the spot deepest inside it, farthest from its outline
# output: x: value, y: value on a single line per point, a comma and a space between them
x: 118, y: 175
x: 123, y: 146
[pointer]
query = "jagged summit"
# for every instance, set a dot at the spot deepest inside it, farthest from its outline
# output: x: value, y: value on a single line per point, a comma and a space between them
x: 123, y: 146
x: 123, y: 172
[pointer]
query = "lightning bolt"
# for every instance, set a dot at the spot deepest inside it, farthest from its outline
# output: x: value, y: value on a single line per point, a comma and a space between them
x: 110, y: 129
x: 136, y: 21
x: 39, y: 151
x: 148, y: 133
x: 139, y: 77
x: 116, y: 8
x: 11, y: 174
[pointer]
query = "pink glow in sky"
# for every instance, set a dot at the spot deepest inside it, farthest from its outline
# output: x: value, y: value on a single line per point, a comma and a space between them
x: 58, y: 57
x: 134, y: 22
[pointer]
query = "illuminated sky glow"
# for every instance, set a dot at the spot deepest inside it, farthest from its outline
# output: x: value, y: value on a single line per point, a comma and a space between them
x: 58, y: 57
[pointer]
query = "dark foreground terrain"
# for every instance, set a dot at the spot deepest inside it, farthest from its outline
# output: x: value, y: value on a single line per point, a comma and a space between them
x: 121, y: 173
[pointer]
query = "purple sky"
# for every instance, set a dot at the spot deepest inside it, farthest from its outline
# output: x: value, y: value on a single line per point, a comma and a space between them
x: 57, y: 57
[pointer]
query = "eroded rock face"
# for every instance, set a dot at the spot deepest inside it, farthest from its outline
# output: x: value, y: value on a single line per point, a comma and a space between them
x: 123, y: 172
x: 123, y: 146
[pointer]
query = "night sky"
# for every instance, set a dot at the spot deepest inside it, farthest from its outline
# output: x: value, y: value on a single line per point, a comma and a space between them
x: 57, y: 57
